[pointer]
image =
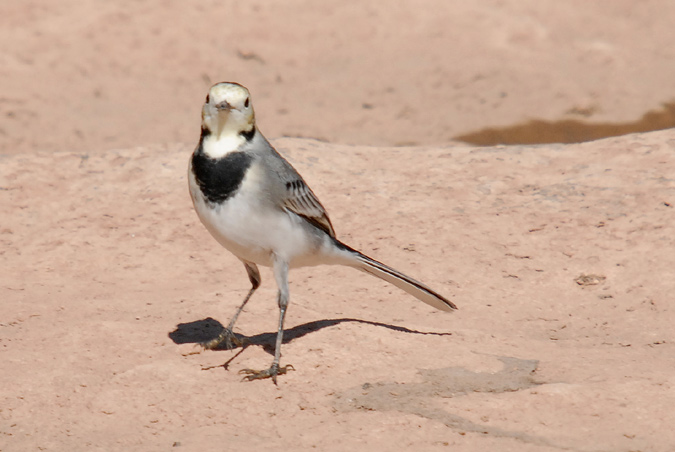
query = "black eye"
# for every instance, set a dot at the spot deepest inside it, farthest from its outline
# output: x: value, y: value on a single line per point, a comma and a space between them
x: 246, y: 103
x: 208, y: 97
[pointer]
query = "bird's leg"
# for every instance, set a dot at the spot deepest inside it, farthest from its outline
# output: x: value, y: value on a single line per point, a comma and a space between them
x: 226, y: 339
x: 281, y: 275
x: 274, y: 369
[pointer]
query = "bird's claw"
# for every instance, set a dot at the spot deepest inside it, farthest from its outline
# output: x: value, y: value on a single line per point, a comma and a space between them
x: 272, y: 373
x: 226, y: 340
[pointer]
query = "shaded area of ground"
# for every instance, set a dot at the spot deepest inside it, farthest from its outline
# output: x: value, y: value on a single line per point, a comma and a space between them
x: 570, y: 130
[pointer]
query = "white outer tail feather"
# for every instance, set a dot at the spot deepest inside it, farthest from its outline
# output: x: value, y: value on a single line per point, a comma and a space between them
x: 415, y: 288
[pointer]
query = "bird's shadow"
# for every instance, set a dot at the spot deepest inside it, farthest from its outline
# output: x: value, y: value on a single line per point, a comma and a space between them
x: 205, y: 330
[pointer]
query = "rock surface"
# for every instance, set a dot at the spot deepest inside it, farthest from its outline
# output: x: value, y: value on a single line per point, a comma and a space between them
x: 559, y: 257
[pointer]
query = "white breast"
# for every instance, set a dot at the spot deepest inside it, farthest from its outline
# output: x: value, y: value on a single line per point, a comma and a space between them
x: 253, y: 229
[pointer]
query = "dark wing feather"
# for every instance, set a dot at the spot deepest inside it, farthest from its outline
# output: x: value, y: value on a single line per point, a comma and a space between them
x: 302, y: 201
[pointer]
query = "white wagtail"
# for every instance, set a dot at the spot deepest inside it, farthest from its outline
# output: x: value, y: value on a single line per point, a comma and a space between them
x: 257, y: 206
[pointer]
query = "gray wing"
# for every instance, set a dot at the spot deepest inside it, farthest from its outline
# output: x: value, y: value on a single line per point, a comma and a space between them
x: 293, y: 193
x: 302, y: 201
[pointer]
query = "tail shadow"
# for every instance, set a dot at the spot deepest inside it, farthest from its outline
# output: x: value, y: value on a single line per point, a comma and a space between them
x: 202, y: 331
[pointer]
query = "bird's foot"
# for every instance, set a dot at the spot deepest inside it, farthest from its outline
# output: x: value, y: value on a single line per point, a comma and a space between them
x: 226, y: 340
x: 272, y: 372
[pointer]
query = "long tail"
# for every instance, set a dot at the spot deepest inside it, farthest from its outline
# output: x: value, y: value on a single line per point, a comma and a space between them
x: 415, y: 288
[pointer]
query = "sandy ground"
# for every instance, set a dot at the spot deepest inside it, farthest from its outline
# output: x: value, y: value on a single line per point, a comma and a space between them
x: 90, y: 75
x: 560, y: 257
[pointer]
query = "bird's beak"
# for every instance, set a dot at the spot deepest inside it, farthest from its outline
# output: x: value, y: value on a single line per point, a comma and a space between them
x: 223, y: 106
x: 222, y: 114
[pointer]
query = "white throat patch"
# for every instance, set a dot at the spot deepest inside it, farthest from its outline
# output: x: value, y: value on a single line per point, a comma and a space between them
x: 219, y: 147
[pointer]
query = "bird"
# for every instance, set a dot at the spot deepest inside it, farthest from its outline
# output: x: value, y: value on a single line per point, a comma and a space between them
x: 258, y: 207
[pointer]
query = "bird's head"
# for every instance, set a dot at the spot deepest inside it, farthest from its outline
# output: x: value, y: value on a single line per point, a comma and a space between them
x: 228, y: 110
